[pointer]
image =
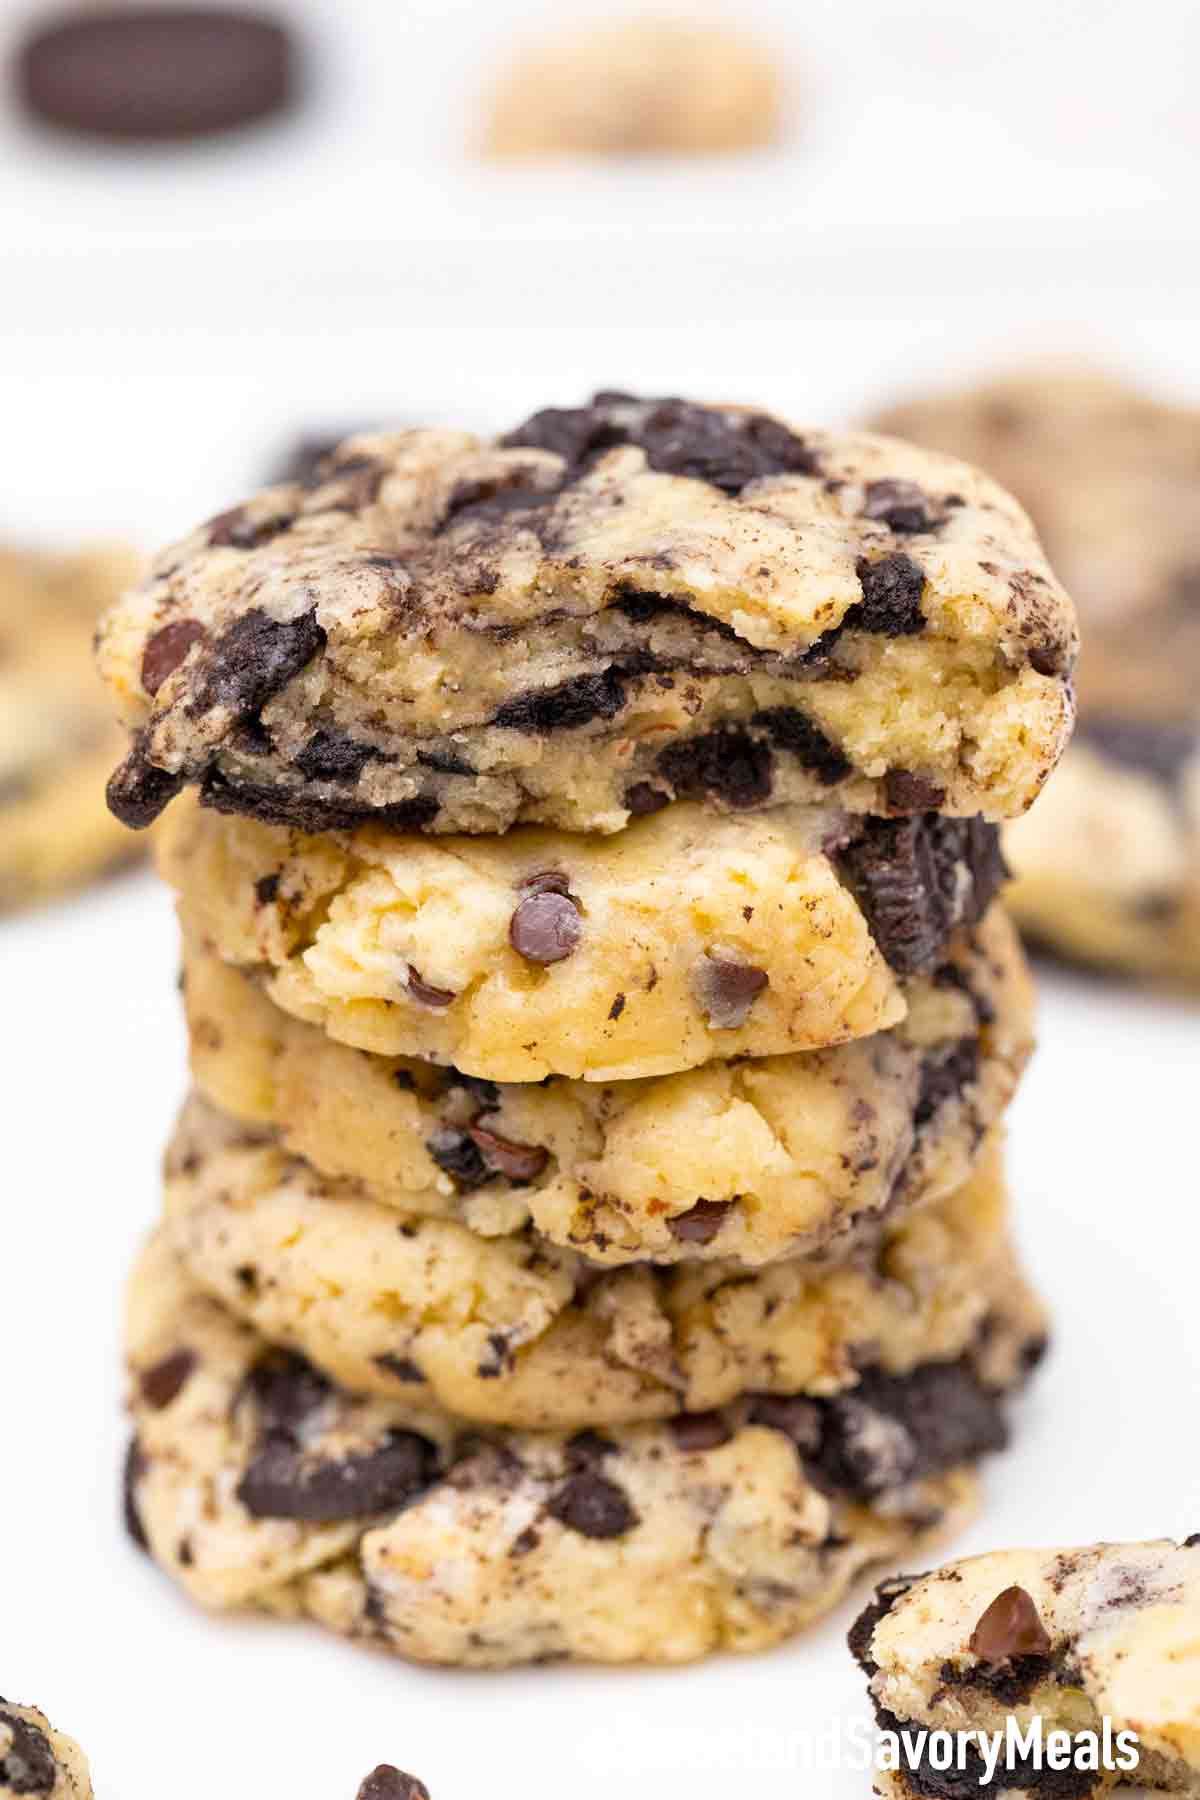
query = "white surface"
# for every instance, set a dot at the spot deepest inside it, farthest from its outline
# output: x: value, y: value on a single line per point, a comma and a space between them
x: 966, y: 183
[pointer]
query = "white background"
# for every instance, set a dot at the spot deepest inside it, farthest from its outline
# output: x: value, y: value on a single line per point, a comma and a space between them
x: 962, y: 185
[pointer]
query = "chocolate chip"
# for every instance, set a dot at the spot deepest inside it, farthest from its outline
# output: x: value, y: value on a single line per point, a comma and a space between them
x: 905, y: 792
x: 945, y: 1073
x: 592, y: 1505
x: 135, y: 1467
x: 892, y: 588
x: 642, y: 799
x: 459, y: 1156
x: 238, y: 530
x: 694, y: 1432
x: 725, y: 990
x: 617, y: 1007
x: 726, y: 765
x: 283, y: 1480
x: 156, y: 72
x: 920, y: 878
x: 902, y: 505
x: 252, y: 660
x: 1009, y: 1627
x: 166, y: 649
x: 29, y: 1765
x: 330, y: 755
x: 790, y: 730
x: 165, y: 1380
x: 425, y: 993
x: 701, y: 1223
x: 563, y: 708
x: 402, y: 1367
x: 517, y: 1162
x: 387, y: 1783
x: 545, y: 928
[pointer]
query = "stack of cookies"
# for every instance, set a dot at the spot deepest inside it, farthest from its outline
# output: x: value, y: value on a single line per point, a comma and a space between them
x: 587, y: 1235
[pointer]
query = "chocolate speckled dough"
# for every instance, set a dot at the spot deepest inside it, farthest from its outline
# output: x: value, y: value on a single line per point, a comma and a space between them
x: 36, y: 1760
x: 254, y: 1482
x: 1110, y: 861
x: 635, y: 87
x: 1078, y: 1636
x: 57, y: 739
x: 509, y: 1331
x: 608, y: 609
x: 751, y: 1160
x: 688, y: 937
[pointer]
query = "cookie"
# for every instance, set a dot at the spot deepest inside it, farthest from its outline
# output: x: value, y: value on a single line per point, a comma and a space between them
x: 686, y: 938
x: 746, y: 1161
x: 608, y: 609
x: 57, y: 740
x: 389, y: 1783
x: 252, y: 1480
x: 512, y: 1331
x: 1108, y: 864
x: 635, y: 88
x: 1079, y: 1637
x: 1111, y: 476
x: 156, y: 72
x: 37, y: 1760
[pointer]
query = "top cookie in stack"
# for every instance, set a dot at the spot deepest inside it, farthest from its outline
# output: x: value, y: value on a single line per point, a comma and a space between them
x: 602, y: 1025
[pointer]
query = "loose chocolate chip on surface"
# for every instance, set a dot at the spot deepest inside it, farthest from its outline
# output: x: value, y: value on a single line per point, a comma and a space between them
x: 165, y: 1381
x: 518, y: 1162
x: 156, y: 72
x: 563, y: 708
x: 701, y: 1223
x: 892, y: 587
x: 388, y: 1783
x: 166, y: 649
x: 29, y: 1765
x: 425, y: 992
x: 726, y: 990
x: 726, y: 765
x: 545, y: 928
x: 699, y: 1431
x: 592, y: 1505
x: 1011, y: 1626
x: 902, y: 505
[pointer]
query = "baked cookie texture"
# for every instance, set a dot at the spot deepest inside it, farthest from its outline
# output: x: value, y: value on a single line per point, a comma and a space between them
x: 745, y: 1161
x: 57, y: 738
x: 686, y: 938
x: 35, y: 1759
x: 509, y: 1331
x: 254, y: 1481
x: 608, y: 609
x: 1111, y: 1631
x: 636, y: 87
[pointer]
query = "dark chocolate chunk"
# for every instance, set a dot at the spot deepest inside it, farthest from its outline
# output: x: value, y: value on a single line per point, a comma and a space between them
x: 517, y: 1162
x: 592, y: 1505
x: 330, y: 755
x: 29, y: 1766
x: 1150, y: 747
x: 642, y: 799
x: 457, y: 1153
x: 563, y: 708
x: 701, y: 1223
x: 1011, y: 1626
x: 902, y: 505
x: 155, y: 72
x: 166, y: 649
x: 545, y: 928
x: 139, y: 789
x: 165, y: 1381
x: 945, y: 1073
x: 135, y: 1467
x: 905, y: 792
x: 425, y: 993
x: 790, y: 730
x: 388, y: 1783
x: 726, y: 765
x: 252, y: 659
x: 892, y: 587
x: 283, y: 1480
x: 920, y: 878
x: 700, y: 1431
x: 725, y: 990
x: 266, y: 890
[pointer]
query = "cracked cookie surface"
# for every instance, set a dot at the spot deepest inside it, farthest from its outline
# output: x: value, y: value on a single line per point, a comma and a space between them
x: 1111, y: 1631
x: 687, y: 938
x: 609, y: 608
x: 748, y: 1161
x: 36, y: 1761
x: 253, y: 1481
x: 508, y: 1330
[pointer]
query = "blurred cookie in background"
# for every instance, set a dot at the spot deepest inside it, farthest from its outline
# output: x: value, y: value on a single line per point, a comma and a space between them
x: 638, y: 87
x: 156, y: 73
x: 1108, y: 862
x: 302, y: 457
x: 57, y: 741
x: 37, y: 1760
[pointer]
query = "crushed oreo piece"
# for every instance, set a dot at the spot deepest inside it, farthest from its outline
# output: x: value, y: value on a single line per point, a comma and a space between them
x: 727, y: 765
x: 29, y: 1765
x: 892, y: 587
x: 592, y: 1505
x: 789, y: 729
x: 945, y: 1073
x: 902, y: 505
x: 458, y: 1155
x: 567, y: 706
x: 330, y: 755
x: 862, y: 1632
x: 920, y: 878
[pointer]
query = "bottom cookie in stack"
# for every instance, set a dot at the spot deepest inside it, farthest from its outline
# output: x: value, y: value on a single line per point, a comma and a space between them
x: 37, y: 1759
x: 256, y: 1478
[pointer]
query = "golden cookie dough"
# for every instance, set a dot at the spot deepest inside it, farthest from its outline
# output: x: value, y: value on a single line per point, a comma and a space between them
x: 37, y: 1760
x: 255, y: 1482
x: 747, y: 1161
x: 686, y: 938
x: 57, y: 739
x: 506, y: 1330
x: 610, y: 608
x: 637, y: 87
